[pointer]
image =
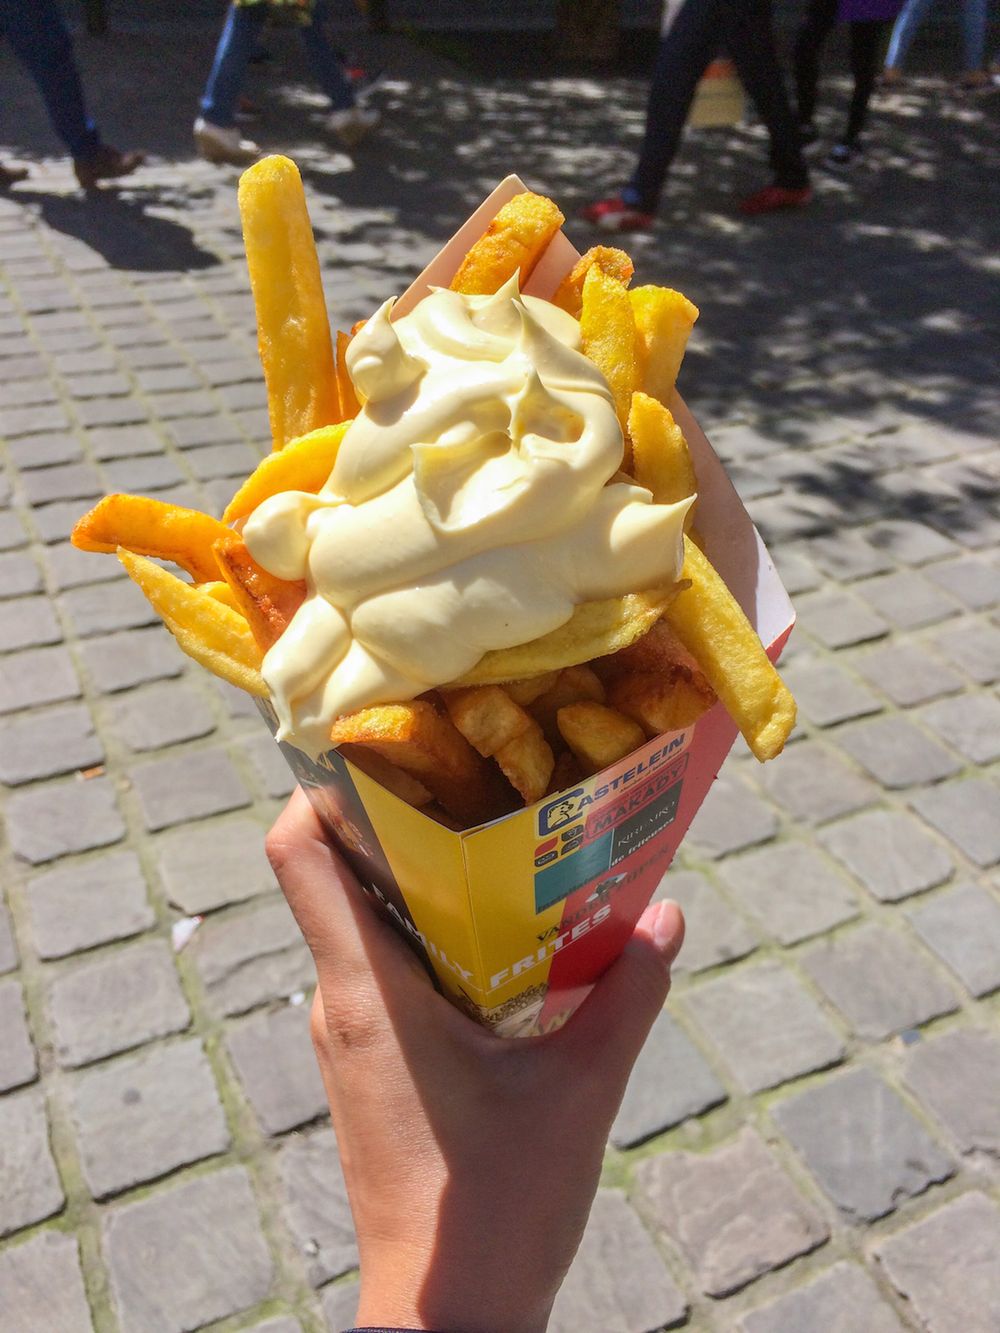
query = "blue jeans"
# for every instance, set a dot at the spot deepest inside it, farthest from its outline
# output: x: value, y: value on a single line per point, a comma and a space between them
x: 39, y: 39
x: 913, y: 14
x: 243, y: 25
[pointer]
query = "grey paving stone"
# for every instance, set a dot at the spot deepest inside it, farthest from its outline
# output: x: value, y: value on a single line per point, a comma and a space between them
x: 18, y: 1063
x: 222, y: 460
x: 966, y: 812
x: 212, y: 864
x: 70, y: 481
x: 889, y: 852
x: 866, y: 1150
x: 275, y: 777
x: 111, y: 411
x: 43, y: 1286
x: 194, y: 432
x: 237, y: 702
x: 114, y: 1002
x: 715, y: 933
x: 12, y: 533
x: 245, y: 959
x: 962, y: 926
x: 57, y: 820
x: 316, y: 1208
x: 28, y: 622
x: 19, y: 575
x: 158, y: 379
x: 791, y: 889
x: 56, y: 521
x: 907, y: 599
x: 48, y: 743
x: 844, y: 1299
x: 837, y: 619
x: 161, y: 715
x: 106, y: 608
x: 43, y: 450
x: 36, y: 676
x: 733, y: 1212
x: 957, y: 1075
x: 339, y: 1302
x: 969, y: 722
x: 83, y: 903
x: 826, y: 693
x: 211, y: 1256
x: 120, y: 661
x: 732, y: 817
x: 8, y: 949
x: 907, y: 674
x: 124, y: 441
x: 765, y: 1025
x: 895, y: 752
x: 814, y: 784
x: 974, y: 648
x: 29, y: 1184
x: 908, y: 542
x: 144, y: 474
x: 273, y: 1057
x: 33, y: 420
x: 796, y: 571
x: 70, y: 568
x: 280, y: 1324
x: 846, y: 555
x: 187, y: 786
x: 617, y: 1282
x: 670, y: 1081
x: 946, y: 1266
x: 139, y: 1118
x: 878, y: 980
x: 974, y: 582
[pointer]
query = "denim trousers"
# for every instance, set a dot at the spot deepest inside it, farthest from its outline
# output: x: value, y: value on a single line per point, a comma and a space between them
x: 39, y: 38
x: 242, y: 28
x: 913, y: 14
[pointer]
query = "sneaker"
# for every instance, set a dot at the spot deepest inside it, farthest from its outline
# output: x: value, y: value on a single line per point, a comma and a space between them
x: 772, y: 198
x: 351, y: 126
x: 219, y: 143
x: 105, y: 164
x: 842, y: 156
x: 614, y: 214
x: 11, y: 175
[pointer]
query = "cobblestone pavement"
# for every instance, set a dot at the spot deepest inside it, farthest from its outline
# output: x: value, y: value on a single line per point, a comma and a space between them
x: 810, y: 1142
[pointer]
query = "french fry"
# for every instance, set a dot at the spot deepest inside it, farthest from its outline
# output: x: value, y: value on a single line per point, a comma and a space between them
x: 616, y: 263
x: 418, y: 739
x: 566, y: 773
x: 664, y: 320
x: 608, y: 331
x: 661, y: 460
x: 293, y: 330
x: 303, y: 465
x: 659, y: 702
x: 658, y: 652
x: 525, y: 692
x: 222, y: 592
x: 499, y: 728
x: 570, y: 686
x: 710, y: 623
x: 267, y: 603
x: 514, y: 241
x: 152, y: 528
x: 349, y: 405
x: 598, y: 735
x: 380, y: 770
x: 205, y: 628
x: 527, y: 763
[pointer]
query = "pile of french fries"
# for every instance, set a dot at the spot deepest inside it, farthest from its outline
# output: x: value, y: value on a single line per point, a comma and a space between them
x: 526, y: 721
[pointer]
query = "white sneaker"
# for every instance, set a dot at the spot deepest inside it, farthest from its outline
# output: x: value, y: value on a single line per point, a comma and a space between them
x: 217, y: 143
x: 352, y: 125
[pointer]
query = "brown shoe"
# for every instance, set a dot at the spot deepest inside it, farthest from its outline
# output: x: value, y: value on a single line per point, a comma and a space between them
x: 106, y: 163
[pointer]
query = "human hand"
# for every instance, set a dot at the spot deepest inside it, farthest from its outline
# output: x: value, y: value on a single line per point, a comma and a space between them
x: 471, y: 1162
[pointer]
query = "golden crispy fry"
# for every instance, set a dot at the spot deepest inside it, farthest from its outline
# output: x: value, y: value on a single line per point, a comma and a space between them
x: 597, y: 735
x: 349, y: 405
x: 710, y: 623
x: 616, y: 263
x: 567, y: 772
x: 659, y: 652
x: 267, y: 603
x: 527, y: 763
x: 293, y: 330
x: 515, y: 240
x: 207, y: 630
x: 661, y: 703
x: 418, y: 739
x: 491, y: 721
x: 664, y: 320
x: 661, y: 460
x: 570, y: 686
x: 401, y: 784
x: 222, y: 592
x: 594, y: 629
x: 524, y: 692
x: 303, y: 465
x: 154, y: 528
x: 607, y: 327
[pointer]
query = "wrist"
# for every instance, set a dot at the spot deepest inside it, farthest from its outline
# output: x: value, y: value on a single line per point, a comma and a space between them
x: 439, y: 1304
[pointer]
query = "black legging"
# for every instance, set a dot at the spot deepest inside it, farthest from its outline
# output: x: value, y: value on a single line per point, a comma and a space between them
x: 866, y: 39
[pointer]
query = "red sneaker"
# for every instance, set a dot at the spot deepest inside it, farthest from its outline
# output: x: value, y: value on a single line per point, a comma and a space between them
x: 615, y: 214
x: 774, y: 197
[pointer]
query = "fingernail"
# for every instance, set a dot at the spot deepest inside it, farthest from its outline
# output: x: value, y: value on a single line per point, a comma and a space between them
x: 668, y: 929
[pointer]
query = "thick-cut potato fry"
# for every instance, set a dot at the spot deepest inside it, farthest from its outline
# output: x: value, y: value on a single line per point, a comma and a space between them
x: 566, y: 773
x: 525, y: 692
x: 598, y: 735
x: 616, y: 263
x: 401, y: 784
x: 710, y: 623
x: 661, y: 460
x: 207, y: 630
x: 527, y: 762
x: 268, y: 603
x: 498, y: 727
x: 418, y: 739
x: 153, y: 528
x: 607, y: 328
x: 658, y: 651
x: 664, y: 320
x: 515, y: 240
x: 293, y: 329
x: 594, y: 629
x: 303, y: 465
x: 349, y: 405
x: 570, y: 686
x: 222, y: 592
x: 659, y: 703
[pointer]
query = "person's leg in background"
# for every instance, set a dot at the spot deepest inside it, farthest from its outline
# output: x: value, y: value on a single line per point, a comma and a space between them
x: 215, y: 132
x: 349, y: 121
x: 974, y: 15
x: 866, y: 41
x: 39, y: 38
x: 904, y: 30
x: 821, y: 15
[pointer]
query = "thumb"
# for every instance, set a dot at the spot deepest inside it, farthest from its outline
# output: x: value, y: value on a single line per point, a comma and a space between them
x: 607, y: 1031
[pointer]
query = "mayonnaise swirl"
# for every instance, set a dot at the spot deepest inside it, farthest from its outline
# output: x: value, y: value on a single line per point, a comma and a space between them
x: 471, y: 507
